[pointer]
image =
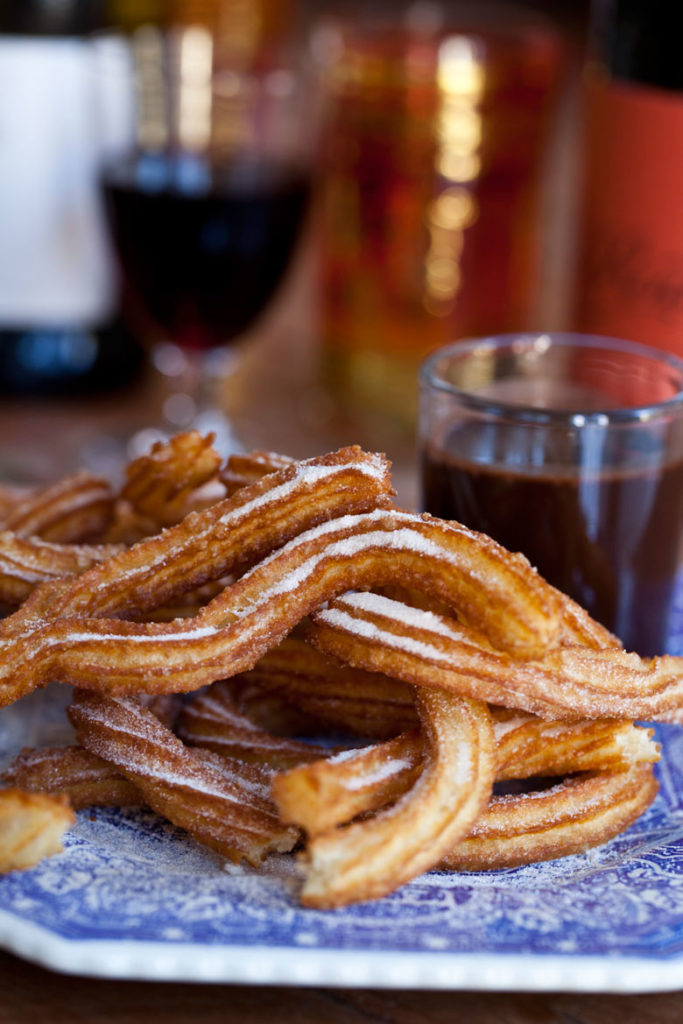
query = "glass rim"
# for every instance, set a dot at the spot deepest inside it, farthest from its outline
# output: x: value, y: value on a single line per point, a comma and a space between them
x: 650, y: 412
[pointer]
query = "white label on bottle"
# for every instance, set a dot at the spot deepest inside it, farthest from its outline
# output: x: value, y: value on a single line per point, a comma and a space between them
x: 54, y: 262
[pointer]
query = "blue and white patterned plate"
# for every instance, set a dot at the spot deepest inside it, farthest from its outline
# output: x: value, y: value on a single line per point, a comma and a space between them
x: 132, y: 897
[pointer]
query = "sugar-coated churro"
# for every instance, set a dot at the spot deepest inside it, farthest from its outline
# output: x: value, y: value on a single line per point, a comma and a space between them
x: 370, y: 858
x: 331, y: 792
x: 572, y: 817
x: 222, y: 803
x: 451, y: 655
x: 76, y: 509
x: 31, y: 827
x: 214, y: 720
x: 376, y: 633
x: 73, y: 772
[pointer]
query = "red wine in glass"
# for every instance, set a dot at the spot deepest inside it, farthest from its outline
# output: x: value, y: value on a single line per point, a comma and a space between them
x: 202, y: 245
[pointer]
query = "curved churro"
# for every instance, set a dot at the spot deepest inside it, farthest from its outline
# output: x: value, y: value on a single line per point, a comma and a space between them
x: 31, y: 827
x: 375, y: 633
x: 161, y: 484
x: 497, y: 592
x: 572, y: 817
x: 27, y: 562
x: 232, y: 632
x: 75, y: 773
x: 362, y: 703
x: 214, y: 720
x: 371, y: 858
x: 77, y: 508
x: 232, y: 533
x: 330, y: 792
x: 221, y: 802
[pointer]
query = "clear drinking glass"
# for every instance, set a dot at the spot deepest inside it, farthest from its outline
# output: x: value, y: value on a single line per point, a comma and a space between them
x: 568, y: 448
x: 206, y: 189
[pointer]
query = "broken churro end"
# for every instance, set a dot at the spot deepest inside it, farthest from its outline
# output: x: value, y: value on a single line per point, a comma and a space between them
x: 31, y: 827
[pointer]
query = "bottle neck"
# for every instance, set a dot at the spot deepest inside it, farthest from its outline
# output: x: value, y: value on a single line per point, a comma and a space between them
x: 46, y: 18
x: 639, y: 41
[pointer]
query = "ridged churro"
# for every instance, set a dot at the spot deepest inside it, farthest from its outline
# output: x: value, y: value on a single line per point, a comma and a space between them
x: 331, y: 792
x: 73, y: 772
x: 51, y: 637
x: 449, y: 653
x: 376, y: 633
x: 26, y: 562
x: 31, y: 827
x: 222, y: 803
x: 163, y: 484
x: 230, y: 534
x: 76, y: 509
x: 371, y: 858
x: 572, y: 817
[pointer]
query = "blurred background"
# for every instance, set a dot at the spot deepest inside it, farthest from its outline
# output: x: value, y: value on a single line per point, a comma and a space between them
x: 436, y: 192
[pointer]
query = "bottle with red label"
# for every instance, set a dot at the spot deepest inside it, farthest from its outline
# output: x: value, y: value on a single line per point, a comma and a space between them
x: 630, y: 253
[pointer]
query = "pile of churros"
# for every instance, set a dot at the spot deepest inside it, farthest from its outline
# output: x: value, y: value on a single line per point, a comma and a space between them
x: 274, y: 657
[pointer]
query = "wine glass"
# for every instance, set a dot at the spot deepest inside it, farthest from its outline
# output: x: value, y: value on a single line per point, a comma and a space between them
x: 205, y: 201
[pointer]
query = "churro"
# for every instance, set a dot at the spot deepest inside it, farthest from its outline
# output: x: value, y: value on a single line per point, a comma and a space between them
x: 76, y: 509
x: 368, y: 859
x: 572, y: 817
x: 331, y: 792
x: 221, y: 802
x: 26, y: 562
x: 31, y: 827
x: 73, y: 772
x: 214, y: 720
x: 163, y: 485
x: 376, y: 633
x: 449, y: 653
x: 336, y: 696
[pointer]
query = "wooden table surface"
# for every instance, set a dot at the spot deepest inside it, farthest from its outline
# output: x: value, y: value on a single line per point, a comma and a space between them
x: 31, y: 995
x: 278, y: 404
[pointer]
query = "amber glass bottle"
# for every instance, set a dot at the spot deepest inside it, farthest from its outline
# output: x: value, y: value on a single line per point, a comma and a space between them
x: 430, y: 198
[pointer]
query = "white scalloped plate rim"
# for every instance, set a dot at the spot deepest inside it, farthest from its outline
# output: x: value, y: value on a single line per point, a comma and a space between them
x: 265, y: 965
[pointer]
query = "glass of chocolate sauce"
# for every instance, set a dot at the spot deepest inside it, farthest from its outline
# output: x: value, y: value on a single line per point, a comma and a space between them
x: 568, y: 448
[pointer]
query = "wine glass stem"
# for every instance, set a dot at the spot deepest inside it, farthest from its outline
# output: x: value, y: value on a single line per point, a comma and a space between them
x: 194, y: 393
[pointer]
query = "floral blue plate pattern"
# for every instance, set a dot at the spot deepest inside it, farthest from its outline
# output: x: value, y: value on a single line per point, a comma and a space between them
x: 132, y: 897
